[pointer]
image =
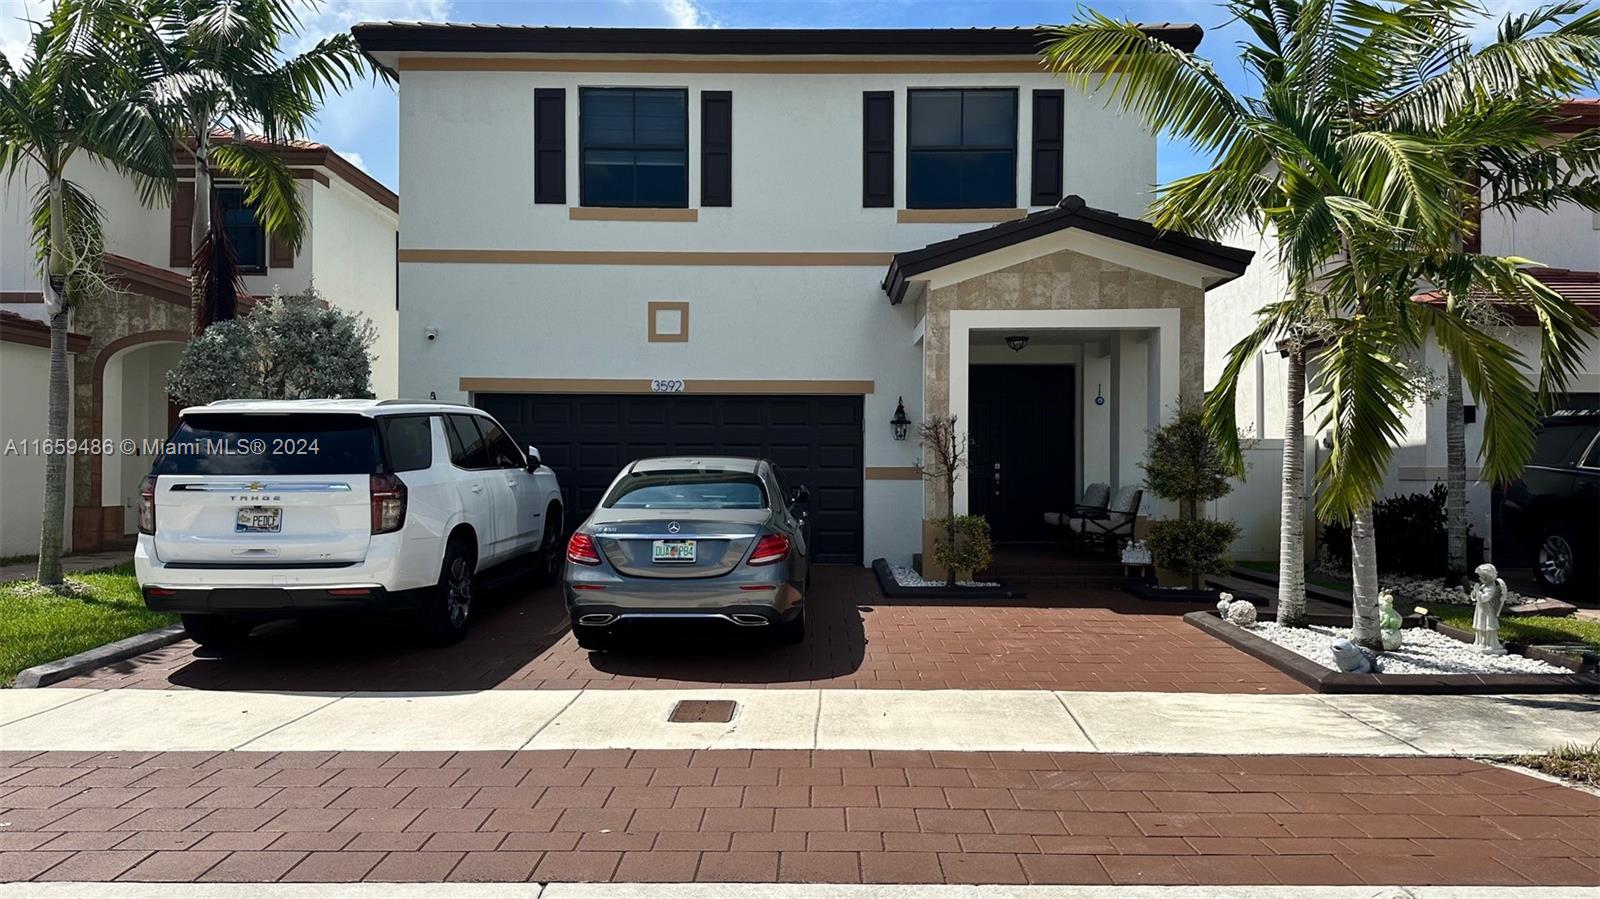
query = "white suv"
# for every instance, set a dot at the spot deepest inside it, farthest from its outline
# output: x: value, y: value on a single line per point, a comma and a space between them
x: 260, y: 509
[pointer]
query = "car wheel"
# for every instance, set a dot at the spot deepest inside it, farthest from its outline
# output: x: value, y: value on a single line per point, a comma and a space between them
x: 1555, y: 563
x: 443, y: 616
x: 592, y: 638
x: 551, y: 554
x: 216, y: 631
x: 793, y: 630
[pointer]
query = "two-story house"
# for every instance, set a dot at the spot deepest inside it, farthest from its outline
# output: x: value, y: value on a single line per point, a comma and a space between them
x: 123, y: 344
x: 626, y: 242
x: 1564, y: 244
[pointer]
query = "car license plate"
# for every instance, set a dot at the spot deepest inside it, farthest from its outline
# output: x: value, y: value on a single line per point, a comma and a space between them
x: 672, y: 551
x: 259, y: 520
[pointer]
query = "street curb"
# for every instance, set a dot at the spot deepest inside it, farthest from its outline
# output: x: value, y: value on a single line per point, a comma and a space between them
x: 88, y: 660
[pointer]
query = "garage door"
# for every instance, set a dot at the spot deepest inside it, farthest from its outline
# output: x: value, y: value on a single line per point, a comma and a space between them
x: 587, y: 438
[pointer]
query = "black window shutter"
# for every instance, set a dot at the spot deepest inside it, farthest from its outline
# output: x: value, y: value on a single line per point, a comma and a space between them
x: 549, y: 145
x: 877, y: 141
x: 1048, y: 137
x: 716, y: 148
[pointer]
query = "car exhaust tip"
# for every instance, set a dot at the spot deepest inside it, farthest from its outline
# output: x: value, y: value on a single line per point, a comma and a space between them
x: 745, y: 619
x: 596, y: 619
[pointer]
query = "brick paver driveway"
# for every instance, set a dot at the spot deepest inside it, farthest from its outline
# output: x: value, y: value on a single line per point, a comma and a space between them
x: 792, y: 816
x: 1056, y: 640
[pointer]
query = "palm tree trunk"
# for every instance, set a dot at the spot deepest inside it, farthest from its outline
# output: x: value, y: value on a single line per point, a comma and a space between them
x: 1455, y: 478
x: 199, y: 225
x: 55, y: 463
x: 1291, y: 527
x: 1364, y: 580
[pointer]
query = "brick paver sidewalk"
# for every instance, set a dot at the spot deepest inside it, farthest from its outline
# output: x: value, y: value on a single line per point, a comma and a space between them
x: 1057, y: 640
x: 794, y: 816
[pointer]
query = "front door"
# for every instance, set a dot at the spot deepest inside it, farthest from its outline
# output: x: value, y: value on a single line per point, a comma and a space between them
x: 1022, y: 457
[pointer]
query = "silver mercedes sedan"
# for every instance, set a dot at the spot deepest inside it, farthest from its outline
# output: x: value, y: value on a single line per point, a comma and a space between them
x: 714, y: 538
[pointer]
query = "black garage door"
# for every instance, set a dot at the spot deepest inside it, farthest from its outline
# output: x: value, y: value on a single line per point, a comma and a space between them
x: 587, y: 438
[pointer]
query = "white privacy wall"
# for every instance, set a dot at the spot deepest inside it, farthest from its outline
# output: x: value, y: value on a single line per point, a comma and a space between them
x: 24, y: 385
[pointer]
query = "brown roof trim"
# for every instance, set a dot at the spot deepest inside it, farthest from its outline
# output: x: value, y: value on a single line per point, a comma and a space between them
x: 16, y: 328
x: 298, y: 153
x: 1577, y: 116
x: 433, y: 37
x: 1072, y: 212
x: 152, y: 281
x: 21, y: 296
x: 1581, y: 288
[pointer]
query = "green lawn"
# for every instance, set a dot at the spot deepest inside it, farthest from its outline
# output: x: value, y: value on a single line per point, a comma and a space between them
x: 1530, y: 629
x: 1574, y: 762
x: 36, y: 628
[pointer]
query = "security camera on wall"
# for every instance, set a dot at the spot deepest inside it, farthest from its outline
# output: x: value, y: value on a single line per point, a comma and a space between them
x: 431, y: 334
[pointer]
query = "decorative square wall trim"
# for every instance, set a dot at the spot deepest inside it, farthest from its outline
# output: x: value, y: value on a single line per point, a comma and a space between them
x: 669, y: 322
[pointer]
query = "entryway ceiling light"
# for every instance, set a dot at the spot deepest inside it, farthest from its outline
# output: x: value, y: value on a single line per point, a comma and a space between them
x: 1017, y: 342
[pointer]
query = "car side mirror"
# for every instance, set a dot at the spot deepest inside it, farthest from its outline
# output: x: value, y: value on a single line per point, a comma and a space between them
x: 800, y: 496
x: 533, y: 459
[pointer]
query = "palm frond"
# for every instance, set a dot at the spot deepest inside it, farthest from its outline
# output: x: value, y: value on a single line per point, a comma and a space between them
x: 269, y: 187
x: 1360, y: 384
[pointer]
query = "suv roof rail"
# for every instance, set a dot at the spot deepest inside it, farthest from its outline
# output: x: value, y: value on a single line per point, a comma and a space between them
x: 406, y: 402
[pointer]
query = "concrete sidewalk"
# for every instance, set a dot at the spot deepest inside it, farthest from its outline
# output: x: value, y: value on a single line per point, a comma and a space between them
x: 973, y: 720
x: 22, y: 571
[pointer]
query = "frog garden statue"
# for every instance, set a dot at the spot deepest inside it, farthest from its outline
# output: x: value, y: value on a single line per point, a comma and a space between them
x: 1351, y: 659
x: 1389, y: 622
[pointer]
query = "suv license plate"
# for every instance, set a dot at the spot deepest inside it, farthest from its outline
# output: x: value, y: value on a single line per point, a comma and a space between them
x: 259, y: 520
x: 672, y: 551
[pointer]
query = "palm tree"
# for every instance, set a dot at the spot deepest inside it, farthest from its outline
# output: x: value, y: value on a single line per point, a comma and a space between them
x: 80, y: 91
x: 1345, y: 194
x: 224, y: 72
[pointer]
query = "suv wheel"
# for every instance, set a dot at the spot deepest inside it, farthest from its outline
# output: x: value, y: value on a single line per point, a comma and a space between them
x: 551, y: 554
x: 442, y: 616
x: 216, y: 631
x: 1555, y: 562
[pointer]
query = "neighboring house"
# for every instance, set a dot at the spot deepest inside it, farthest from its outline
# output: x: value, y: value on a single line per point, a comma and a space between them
x: 125, y: 343
x: 1565, y: 243
x: 627, y: 242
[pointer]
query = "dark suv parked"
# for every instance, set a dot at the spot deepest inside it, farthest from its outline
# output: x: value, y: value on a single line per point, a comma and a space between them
x: 1552, y: 512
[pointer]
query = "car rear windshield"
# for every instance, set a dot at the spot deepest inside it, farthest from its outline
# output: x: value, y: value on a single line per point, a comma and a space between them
x: 299, y: 444
x: 688, y: 490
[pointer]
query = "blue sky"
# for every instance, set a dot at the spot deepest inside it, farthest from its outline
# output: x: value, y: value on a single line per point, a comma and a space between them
x: 361, y: 124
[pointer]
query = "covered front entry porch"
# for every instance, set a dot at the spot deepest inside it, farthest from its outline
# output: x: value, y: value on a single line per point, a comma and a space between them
x: 1058, y: 342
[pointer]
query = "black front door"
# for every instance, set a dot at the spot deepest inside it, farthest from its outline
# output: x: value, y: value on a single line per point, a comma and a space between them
x: 1022, y: 446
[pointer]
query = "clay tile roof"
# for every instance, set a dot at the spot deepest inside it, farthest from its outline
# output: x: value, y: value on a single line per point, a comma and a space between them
x: 1581, y: 287
x: 16, y: 328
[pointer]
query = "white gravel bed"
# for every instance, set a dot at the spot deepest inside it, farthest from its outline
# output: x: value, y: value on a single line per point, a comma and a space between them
x: 908, y: 577
x: 1423, y: 652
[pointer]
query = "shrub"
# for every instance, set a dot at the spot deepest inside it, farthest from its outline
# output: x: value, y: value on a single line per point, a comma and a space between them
x: 1194, y: 547
x: 1410, y: 534
x: 973, y: 548
x: 295, y: 347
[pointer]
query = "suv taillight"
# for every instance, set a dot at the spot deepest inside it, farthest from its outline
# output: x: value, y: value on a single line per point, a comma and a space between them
x: 581, y: 549
x: 769, y: 549
x: 388, y: 503
x: 147, y: 505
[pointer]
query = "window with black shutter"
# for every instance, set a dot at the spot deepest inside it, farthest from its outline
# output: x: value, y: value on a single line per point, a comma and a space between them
x: 716, y: 148
x: 244, y: 230
x: 635, y: 147
x: 877, y: 142
x: 549, y: 145
x: 961, y: 149
x: 1048, y: 140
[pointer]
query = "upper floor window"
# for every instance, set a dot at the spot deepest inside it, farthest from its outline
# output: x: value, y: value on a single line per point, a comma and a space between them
x: 961, y: 149
x: 635, y: 147
x: 244, y: 231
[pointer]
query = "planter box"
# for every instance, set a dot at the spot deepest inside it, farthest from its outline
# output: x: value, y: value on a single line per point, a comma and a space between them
x: 891, y: 589
x: 1326, y: 680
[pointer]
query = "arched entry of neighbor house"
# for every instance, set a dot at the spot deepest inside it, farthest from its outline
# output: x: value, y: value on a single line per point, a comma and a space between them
x: 131, y: 403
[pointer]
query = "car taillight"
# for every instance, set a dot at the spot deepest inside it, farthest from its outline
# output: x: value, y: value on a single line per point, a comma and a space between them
x: 581, y: 549
x: 388, y: 503
x: 769, y: 549
x: 147, y: 505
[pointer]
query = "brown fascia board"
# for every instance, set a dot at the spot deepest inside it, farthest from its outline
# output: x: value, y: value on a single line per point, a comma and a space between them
x: 1072, y: 212
x: 427, y: 37
x: 325, y: 157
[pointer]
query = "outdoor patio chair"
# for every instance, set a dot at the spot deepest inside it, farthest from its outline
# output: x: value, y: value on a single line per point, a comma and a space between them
x: 1108, y: 529
x: 1095, y: 499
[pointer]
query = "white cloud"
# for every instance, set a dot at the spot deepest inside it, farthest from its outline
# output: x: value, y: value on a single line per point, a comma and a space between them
x: 687, y: 14
x: 16, y: 28
x: 354, y: 159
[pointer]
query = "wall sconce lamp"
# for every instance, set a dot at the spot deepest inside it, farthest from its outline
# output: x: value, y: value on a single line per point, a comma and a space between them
x: 901, y: 422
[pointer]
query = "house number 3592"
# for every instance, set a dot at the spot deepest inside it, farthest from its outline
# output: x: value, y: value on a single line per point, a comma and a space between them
x: 666, y: 385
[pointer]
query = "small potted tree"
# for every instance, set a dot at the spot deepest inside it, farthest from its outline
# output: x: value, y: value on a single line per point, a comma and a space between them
x: 1184, y: 465
x: 965, y: 546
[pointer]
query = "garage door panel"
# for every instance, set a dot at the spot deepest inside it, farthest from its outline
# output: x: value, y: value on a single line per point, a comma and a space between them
x: 814, y: 440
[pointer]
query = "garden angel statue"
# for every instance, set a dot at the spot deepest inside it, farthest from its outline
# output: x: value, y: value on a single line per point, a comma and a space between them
x: 1489, y: 596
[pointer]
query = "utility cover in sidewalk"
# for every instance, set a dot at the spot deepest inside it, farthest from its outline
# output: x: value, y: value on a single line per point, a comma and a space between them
x: 703, y: 711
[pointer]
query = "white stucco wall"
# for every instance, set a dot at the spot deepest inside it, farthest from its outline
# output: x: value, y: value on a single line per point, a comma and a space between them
x: 24, y: 384
x: 353, y: 242
x: 1567, y: 237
